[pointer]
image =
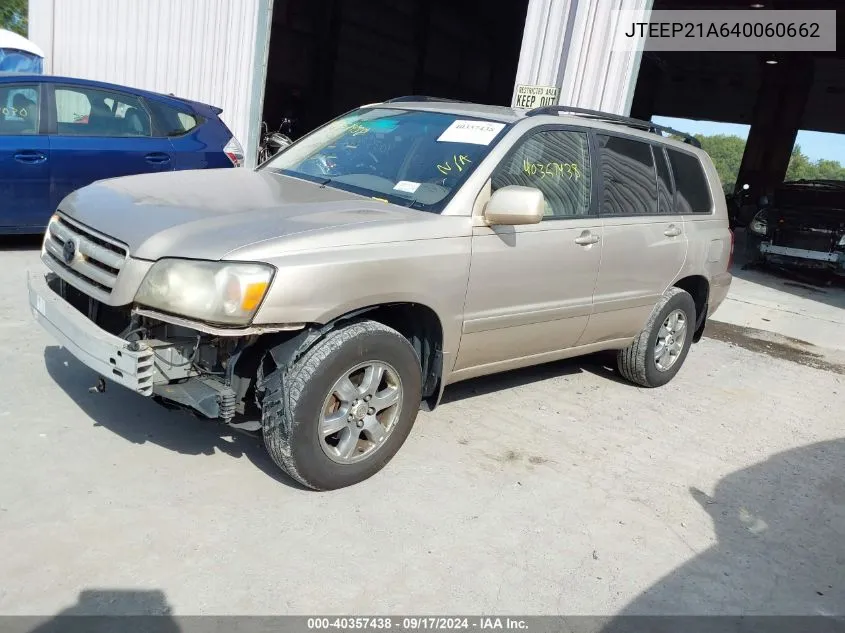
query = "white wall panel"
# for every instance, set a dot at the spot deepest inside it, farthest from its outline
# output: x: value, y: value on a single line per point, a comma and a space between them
x: 203, y: 50
x: 567, y: 43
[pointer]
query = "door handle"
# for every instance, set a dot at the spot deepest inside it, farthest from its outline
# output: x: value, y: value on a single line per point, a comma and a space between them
x: 672, y: 231
x: 157, y: 158
x: 30, y: 157
x: 586, y: 239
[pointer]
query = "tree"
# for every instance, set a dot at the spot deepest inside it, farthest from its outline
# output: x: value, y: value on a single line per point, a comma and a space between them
x: 13, y: 16
x: 800, y: 167
x: 726, y: 152
x: 830, y: 170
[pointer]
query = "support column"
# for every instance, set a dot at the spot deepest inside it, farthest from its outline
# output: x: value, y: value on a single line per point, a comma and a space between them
x: 780, y: 105
x: 567, y: 43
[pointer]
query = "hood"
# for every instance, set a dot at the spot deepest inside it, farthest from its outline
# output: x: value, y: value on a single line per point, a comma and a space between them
x: 817, y: 195
x: 208, y: 214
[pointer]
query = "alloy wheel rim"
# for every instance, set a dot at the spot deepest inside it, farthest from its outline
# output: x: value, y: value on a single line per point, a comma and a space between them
x: 360, y: 412
x: 670, y: 340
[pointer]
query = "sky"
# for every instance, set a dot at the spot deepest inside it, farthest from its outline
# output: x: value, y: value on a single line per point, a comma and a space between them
x: 815, y: 145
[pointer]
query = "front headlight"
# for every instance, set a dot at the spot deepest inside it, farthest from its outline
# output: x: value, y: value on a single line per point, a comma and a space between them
x: 216, y: 292
x: 760, y: 224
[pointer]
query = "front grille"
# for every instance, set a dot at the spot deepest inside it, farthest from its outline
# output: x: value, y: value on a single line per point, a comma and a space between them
x: 94, y: 260
x: 113, y: 320
x: 810, y: 240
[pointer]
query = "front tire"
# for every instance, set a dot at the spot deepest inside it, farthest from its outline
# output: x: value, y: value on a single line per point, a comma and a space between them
x: 657, y: 354
x: 352, y: 400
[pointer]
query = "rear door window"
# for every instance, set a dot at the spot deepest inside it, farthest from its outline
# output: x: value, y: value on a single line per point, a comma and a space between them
x: 628, y: 173
x: 20, y: 109
x: 692, y: 195
x: 82, y: 111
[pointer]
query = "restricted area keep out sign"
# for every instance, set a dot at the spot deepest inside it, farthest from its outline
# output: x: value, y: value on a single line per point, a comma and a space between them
x: 534, y: 96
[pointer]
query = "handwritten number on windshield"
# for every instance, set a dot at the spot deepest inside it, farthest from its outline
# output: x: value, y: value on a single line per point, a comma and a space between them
x: 356, y: 129
x: 552, y: 170
x: 458, y: 160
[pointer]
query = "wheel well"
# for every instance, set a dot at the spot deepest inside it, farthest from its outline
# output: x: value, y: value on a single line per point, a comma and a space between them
x: 421, y: 326
x: 699, y: 288
x: 416, y: 322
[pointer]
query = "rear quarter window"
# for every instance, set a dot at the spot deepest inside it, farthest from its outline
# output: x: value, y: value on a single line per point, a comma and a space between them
x: 692, y: 194
x: 173, y: 121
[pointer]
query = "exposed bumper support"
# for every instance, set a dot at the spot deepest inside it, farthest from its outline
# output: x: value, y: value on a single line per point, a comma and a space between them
x: 129, y: 364
x: 800, y: 253
x: 108, y: 355
x: 209, y: 397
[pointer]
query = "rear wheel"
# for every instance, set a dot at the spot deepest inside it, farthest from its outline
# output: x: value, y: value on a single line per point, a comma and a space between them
x: 352, y: 400
x: 657, y: 354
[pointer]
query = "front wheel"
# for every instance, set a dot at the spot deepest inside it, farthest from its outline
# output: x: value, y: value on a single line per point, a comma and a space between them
x: 351, y: 402
x: 656, y: 355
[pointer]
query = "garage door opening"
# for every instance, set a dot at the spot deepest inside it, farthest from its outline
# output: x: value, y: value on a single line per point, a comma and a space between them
x: 329, y: 56
x: 774, y: 94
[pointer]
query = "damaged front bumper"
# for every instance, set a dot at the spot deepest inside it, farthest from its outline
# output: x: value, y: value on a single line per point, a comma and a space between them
x: 149, y: 368
x: 127, y: 364
x: 802, y: 258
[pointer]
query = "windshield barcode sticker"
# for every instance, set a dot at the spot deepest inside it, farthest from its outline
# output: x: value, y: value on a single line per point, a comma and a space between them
x: 407, y: 186
x: 475, y: 132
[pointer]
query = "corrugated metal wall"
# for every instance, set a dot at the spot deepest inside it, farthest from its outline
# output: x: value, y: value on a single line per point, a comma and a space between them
x: 197, y: 49
x: 567, y: 43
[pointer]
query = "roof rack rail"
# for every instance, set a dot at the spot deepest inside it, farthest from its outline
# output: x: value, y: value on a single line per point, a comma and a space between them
x: 422, y: 98
x: 648, y: 126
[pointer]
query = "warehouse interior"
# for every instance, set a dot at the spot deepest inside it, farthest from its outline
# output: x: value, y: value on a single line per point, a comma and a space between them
x: 329, y: 56
x: 777, y: 94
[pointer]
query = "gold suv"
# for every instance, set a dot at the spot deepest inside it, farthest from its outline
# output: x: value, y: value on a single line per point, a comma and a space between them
x: 322, y: 297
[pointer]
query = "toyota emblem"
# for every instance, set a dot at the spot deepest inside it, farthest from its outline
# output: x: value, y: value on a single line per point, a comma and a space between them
x: 69, y: 251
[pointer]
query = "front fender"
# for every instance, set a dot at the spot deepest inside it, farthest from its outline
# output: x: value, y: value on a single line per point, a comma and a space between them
x: 320, y: 286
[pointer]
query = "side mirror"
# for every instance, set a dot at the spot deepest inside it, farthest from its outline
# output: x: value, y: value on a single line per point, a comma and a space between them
x: 514, y: 205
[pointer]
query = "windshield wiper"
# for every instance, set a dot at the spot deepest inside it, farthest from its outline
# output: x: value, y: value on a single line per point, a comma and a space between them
x: 411, y: 202
x: 319, y: 180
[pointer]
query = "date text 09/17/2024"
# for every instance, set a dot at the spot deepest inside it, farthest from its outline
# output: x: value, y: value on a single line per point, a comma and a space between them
x: 416, y: 623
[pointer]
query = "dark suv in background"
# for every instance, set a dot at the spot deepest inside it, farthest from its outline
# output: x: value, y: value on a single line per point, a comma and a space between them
x: 801, y: 226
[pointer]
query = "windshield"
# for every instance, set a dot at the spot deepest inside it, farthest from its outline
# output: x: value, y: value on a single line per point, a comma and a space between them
x: 15, y: 61
x: 417, y: 159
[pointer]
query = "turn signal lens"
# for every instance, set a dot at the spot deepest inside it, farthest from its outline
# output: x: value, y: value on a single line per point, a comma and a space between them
x: 253, y: 295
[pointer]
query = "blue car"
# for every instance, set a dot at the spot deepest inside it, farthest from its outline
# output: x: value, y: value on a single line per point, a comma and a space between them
x: 58, y: 134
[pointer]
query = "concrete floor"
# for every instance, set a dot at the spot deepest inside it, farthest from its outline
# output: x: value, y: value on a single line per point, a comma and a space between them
x: 785, y: 304
x: 553, y: 490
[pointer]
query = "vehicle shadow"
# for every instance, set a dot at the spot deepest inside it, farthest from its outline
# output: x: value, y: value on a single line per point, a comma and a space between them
x: 601, y: 364
x: 140, y: 420
x: 20, y: 242
x: 109, y: 610
x: 780, y: 550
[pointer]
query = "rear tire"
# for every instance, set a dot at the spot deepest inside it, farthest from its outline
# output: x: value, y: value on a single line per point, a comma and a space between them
x: 648, y: 363
x: 315, y: 388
